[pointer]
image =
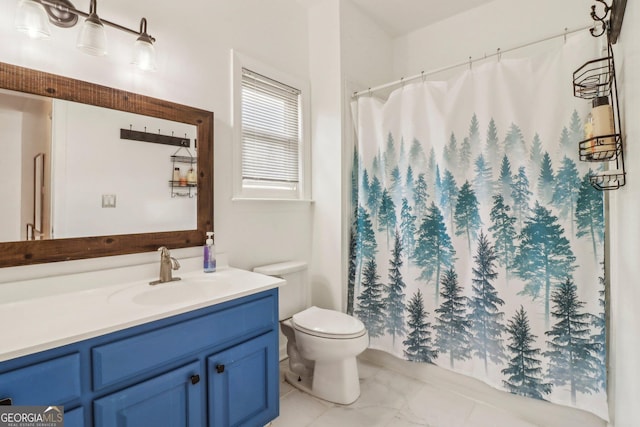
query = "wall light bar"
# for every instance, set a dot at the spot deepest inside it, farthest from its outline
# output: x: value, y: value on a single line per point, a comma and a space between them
x: 33, y: 18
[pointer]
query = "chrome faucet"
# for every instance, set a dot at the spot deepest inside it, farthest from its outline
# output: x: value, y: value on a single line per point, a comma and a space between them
x: 167, y: 265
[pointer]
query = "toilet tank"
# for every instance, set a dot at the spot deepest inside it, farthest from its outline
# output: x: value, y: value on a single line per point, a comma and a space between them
x: 294, y: 296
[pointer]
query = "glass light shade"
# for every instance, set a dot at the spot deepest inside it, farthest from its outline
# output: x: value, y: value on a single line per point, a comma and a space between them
x: 144, y: 54
x: 92, y: 38
x: 31, y: 18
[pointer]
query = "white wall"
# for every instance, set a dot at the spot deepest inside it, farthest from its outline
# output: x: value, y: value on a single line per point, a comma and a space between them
x: 481, y: 31
x: 347, y: 52
x: 365, y: 57
x: 324, y: 70
x: 10, y: 165
x: 193, y: 45
x: 624, y: 375
x: 366, y: 50
x: 92, y: 160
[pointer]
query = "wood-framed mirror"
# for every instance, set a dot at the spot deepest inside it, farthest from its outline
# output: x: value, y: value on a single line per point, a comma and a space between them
x: 25, y: 252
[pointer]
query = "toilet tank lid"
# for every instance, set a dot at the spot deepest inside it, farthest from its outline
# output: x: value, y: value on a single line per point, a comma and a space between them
x: 281, y: 268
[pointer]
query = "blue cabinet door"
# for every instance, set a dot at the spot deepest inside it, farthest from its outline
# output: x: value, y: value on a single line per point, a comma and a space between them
x: 243, y: 383
x: 74, y: 418
x: 174, y: 399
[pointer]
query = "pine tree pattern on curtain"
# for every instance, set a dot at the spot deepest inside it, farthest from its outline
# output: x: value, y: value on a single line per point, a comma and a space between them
x: 477, y: 242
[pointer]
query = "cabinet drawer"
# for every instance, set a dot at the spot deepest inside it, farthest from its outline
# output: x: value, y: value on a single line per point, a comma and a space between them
x: 119, y: 360
x: 53, y: 382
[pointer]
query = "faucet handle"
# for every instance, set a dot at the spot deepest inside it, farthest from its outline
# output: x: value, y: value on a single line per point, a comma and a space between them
x: 174, y: 263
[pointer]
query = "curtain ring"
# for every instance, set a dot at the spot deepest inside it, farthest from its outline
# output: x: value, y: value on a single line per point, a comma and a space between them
x: 402, y: 82
x: 470, y: 63
x: 423, y: 76
x: 499, y: 54
x: 565, y: 35
x: 369, y: 91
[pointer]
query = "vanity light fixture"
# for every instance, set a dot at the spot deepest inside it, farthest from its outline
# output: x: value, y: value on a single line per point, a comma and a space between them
x: 33, y: 17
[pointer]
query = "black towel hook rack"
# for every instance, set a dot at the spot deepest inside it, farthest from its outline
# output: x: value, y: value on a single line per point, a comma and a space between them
x: 609, y: 21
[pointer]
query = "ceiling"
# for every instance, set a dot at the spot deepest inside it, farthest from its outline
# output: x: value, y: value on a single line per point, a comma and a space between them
x: 400, y: 17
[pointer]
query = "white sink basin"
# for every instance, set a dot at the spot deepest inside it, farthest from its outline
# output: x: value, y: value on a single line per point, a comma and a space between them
x: 166, y: 293
x: 178, y: 292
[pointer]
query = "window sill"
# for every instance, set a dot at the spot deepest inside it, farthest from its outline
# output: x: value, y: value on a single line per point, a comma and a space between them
x: 269, y: 199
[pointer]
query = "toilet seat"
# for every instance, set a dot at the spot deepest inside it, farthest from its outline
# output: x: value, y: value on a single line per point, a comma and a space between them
x: 324, y: 323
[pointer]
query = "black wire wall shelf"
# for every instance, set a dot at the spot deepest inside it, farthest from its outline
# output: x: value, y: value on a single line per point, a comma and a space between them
x: 608, y: 180
x: 600, y: 148
x: 181, y: 185
x: 184, y: 159
x: 596, y: 79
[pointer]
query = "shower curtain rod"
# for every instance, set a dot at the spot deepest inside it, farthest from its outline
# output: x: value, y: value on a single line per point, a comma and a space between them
x: 468, y: 62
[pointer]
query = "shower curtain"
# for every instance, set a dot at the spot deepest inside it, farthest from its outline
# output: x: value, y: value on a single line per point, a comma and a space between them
x: 477, y: 243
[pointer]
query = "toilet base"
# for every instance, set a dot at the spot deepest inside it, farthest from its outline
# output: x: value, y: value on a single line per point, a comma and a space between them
x: 301, y: 383
x: 324, y: 385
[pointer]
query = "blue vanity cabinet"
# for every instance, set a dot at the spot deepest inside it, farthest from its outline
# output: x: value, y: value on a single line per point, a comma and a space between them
x: 215, y: 366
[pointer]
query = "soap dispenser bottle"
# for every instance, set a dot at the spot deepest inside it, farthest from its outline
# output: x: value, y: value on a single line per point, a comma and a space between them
x: 209, y: 254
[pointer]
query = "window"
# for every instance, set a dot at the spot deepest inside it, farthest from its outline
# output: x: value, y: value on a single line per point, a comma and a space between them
x: 270, y: 140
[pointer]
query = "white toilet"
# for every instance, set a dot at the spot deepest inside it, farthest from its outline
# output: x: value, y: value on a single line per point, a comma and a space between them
x: 322, y: 345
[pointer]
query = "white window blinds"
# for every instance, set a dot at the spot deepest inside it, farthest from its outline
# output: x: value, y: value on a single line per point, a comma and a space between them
x: 271, y: 122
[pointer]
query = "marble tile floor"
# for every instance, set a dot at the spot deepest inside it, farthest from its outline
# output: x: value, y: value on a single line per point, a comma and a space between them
x: 392, y: 399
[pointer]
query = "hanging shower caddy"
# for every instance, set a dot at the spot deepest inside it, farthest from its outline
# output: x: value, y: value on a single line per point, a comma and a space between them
x: 183, y: 185
x: 596, y: 79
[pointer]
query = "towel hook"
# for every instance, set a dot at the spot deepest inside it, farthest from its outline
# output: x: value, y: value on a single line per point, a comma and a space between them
x: 599, y: 20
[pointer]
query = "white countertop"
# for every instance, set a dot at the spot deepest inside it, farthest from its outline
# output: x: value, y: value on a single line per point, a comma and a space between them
x: 78, y: 307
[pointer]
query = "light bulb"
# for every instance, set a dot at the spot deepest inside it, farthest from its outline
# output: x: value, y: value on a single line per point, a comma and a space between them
x: 31, y: 19
x: 92, y: 38
x: 144, y: 54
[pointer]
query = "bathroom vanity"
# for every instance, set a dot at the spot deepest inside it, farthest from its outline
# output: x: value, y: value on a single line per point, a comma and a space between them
x: 199, y: 352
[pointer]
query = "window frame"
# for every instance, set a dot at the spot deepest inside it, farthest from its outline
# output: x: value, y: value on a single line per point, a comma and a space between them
x: 240, y: 191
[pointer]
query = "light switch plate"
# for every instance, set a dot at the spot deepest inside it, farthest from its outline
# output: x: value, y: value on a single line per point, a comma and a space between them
x: 108, y: 200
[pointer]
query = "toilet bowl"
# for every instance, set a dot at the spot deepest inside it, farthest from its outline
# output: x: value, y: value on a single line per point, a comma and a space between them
x: 321, y: 344
x: 322, y: 354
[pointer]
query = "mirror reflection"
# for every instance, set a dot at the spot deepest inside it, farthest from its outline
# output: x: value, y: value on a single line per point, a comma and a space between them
x: 68, y: 172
